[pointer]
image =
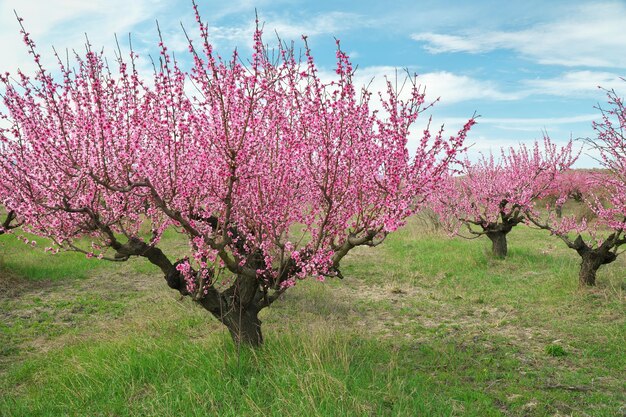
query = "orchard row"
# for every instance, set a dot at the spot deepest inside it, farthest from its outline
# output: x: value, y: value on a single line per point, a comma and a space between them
x: 272, y: 173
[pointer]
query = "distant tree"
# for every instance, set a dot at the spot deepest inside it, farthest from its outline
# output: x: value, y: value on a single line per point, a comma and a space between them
x: 490, y: 197
x: 598, y: 241
x: 574, y: 184
x: 272, y: 174
x: 9, y: 222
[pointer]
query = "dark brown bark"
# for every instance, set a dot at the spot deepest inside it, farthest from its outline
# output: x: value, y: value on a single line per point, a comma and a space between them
x: 244, y: 326
x: 237, y: 308
x: 588, y: 269
x: 592, y: 260
x: 8, y: 224
x: 241, y: 321
x: 496, y: 231
x: 499, y: 247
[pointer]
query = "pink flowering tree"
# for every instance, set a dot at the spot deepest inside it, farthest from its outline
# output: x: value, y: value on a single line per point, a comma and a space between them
x: 490, y: 197
x: 597, y: 241
x: 573, y: 184
x: 272, y: 174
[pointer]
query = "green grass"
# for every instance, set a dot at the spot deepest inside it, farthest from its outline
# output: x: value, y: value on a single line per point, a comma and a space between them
x: 37, y: 264
x: 422, y: 325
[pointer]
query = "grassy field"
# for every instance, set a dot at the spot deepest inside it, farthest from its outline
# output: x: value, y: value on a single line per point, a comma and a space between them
x: 422, y: 326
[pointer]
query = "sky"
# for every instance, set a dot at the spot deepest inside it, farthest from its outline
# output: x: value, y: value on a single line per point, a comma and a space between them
x: 525, y: 67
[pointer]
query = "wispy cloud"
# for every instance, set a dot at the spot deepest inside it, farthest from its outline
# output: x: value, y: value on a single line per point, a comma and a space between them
x: 492, y: 143
x: 537, y: 124
x: 528, y: 123
x: 48, y: 23
x: 451, y: 88
x: 590, y: 35
x: 287, y: 28
x: 439, y: 43
x: 577, y: 83
x: 454, y: 88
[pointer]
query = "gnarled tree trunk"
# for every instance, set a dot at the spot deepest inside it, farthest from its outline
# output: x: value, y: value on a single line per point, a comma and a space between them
x: 499, y: 247
x: 497, y: 231
x: 592, y: 260
x: 237, y: 308
x: 588, y: 269
x: 244, y: 325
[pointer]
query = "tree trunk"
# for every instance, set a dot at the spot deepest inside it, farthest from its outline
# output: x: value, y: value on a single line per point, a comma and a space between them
x: 592, y: 260
x: 588, y: 269
x: 237, y: 307
x: 244, y: 326
x: 498, y: 244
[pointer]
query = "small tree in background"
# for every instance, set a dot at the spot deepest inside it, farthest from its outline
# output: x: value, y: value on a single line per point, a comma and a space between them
x: 491, y: 196
x: 573, y: 184
x: 271, y: 174
x: 598, y: 241
x: 10, y: 222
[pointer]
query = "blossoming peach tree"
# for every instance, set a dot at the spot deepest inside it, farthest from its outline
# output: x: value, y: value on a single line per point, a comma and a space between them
x: 573, y: 184
x: 491, y: 196
x: 597, y: 241
x: 272, y: 174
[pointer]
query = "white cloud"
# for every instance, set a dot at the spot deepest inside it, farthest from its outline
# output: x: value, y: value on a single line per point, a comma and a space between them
x: 527, y: 124
x: 331, y: 23
x: 454, y: 88
x: 450, y: 87
x: 214, y: 10
x: 64, y: 23
x: 486, y: 144
x: 491, y: 143
x: 536, y: 125
x: 439, y: 43
x: 326, y: 23
x: 577, y: 83
x: 590, y: 35
x: 539, y: 121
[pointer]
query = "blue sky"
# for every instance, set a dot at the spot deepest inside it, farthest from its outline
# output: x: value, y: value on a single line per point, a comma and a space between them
x: 524, y: 66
